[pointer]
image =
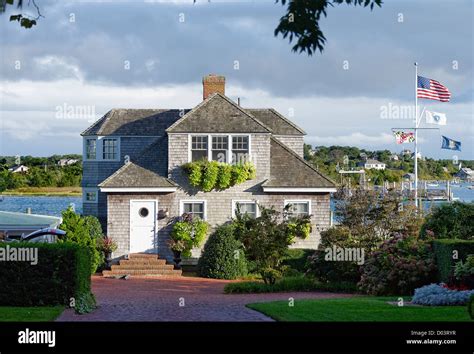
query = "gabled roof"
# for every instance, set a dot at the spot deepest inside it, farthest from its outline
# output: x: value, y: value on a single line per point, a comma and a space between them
x: 149, y: 171
x: 218, y: 114
x: 135, y: 122
x: 289, y: 170
x: 275, y: 121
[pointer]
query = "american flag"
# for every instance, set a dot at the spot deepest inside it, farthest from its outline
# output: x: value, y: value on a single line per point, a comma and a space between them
x: 432, y: 89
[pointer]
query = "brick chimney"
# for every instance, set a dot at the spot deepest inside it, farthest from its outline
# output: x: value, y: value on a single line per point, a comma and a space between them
x: 211, y: 84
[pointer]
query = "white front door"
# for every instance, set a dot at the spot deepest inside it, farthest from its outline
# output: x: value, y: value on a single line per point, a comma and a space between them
x: 143, y: 215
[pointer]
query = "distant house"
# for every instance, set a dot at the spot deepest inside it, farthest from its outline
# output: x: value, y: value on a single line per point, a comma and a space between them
x: 394, y: 157
x: 465, y: 174
x: 67, y: 162
x: 408, y: 177
x: 371, y: 164
x: 420, y: 157
x: 406, y: 152
x: 18, y: 169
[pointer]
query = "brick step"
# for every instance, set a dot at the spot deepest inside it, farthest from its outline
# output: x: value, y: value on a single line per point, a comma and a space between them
x: 143, y: 256
x: 142, y: 267
x: 143, y: 262
x: 154, y: 272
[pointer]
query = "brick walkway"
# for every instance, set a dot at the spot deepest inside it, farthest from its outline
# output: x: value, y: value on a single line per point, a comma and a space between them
x: 142, y: 299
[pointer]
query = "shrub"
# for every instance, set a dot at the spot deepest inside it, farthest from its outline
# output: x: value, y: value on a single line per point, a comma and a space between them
x: 294, y: 283
x: 297, y: 258
x: 209, y: 175
x: 400, y: 265
x: 266, y: 240
x: 188, y: 232
x: 223, y: 256
x: 464, y: 272
x: 328, y: 271
x: 85, y: 231
x: 62, y: 273
x: 437, y: 295
x: 451, y: 220
x: 447, y: 252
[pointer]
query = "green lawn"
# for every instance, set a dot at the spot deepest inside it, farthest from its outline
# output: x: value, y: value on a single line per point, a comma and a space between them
x: 358, y: 309
x: 30, y: 314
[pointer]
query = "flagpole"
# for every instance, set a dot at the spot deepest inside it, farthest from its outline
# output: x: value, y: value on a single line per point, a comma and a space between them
x: 416, y: 135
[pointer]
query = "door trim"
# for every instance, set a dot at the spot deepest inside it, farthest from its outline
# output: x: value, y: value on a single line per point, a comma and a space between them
x: 155, y: 202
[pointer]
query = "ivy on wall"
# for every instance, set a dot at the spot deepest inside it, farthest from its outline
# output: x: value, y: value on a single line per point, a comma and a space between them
x: 209, y: 175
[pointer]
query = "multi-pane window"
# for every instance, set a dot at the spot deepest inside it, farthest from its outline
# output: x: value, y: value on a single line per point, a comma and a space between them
x: 91, y: 149
x: 298, y: 208
x: 199, y: 148
x: 194, y: 208
x: 220, y: 145
x: 249, y: 208
x: 240, y: 149
x: 109, y: 149
x: 90, y: 196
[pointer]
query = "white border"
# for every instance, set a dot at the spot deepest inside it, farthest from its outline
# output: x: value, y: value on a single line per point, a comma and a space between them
x: 182, y: 201
x: 138, y: 189
x: 299, y: 190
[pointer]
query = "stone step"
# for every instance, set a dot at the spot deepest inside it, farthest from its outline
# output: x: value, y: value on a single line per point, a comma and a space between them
x: 143, y: 262
x: 142, y: 267
x: 143, y: 256
x: 153, y: 272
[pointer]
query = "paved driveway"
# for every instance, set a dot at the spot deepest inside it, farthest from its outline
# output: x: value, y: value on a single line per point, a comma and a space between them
x: 176, y: 299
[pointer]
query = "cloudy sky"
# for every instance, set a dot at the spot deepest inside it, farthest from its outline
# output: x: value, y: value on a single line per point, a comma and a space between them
x: 86, y: 57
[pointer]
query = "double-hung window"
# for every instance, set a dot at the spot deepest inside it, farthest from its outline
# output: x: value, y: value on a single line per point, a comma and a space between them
x: 245, y: 207
x: 91, y: 149
x: 298, y: 208
x: 194, y: 208
x: 199, y: 147
x: 240, y: 149
x: 109, y: 149
x: 220, y: 146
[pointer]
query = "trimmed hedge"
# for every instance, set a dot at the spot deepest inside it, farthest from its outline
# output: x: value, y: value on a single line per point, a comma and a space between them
x: 443, y: 250
x: 61, y: 274
x: 223, y: 256
x: 297, y: 259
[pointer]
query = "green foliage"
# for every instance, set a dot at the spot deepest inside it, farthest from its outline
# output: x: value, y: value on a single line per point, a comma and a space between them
x: 470, y: 307
x: 301, y: 22
x: 451, y: 220
x: 266, y: 240
x: 286, y: 284
x: 209, y: 175
x: 62, y: 273
x: 223, y: 256
x: 401, y: 264
x: 447, y: 253
x: 188, y: 232
x: 297, y: 258
x: 85, y: 231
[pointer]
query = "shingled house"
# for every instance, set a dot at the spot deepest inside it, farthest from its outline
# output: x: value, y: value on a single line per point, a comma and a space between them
x: 134, y: 181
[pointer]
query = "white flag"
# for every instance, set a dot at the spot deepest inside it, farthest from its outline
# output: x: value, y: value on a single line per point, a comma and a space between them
x: 435, y: 118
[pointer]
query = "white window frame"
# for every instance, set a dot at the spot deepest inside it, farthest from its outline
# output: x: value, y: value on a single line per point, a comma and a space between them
x: 234, y: 206
x: 184, y: 201
x: 293, y: 201
x: 89, y: 190
x: 209, y: 145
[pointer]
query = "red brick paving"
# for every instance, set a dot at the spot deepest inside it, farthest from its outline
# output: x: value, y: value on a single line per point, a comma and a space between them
x: 145, y: 299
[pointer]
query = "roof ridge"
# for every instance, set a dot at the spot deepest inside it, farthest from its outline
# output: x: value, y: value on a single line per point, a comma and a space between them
x: 301, y: 159
x: 287, y: 120
x: 95, y: 123
x: 207, y: 100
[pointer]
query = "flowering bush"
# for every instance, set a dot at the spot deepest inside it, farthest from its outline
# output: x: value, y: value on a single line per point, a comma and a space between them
x: 401, y: 264
x: 438, y: 295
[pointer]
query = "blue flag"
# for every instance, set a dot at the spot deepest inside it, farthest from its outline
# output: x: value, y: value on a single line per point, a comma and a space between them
x: 450, y: 144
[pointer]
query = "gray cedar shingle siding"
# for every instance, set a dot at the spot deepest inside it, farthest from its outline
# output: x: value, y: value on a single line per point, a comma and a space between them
x: 275, y: 121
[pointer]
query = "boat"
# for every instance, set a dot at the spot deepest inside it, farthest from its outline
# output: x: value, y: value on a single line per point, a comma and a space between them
x: 433, y: 185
